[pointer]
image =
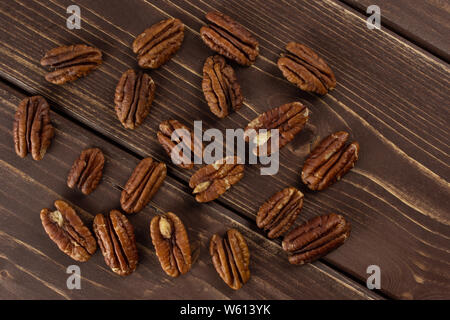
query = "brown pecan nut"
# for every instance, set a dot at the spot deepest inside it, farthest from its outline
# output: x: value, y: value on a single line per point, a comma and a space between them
x: 69, y: 63
x: 316, y: 238
x: 229, y: 38
x: 214, y: 179
x: 33, y: 131
x: 133, y: 97
x: 157, y: 44
x: 173, y: 134
x: 304, y: 68
x: 115, y: 236
x: 171, y: 243
x: 87, y: 170
x: 69, y: 233
x: 289, y: 119
x: 145, y: 180
x: 329, y: 161
x: 278, y: 213
x: 220, y: 87
x: 231, y: 258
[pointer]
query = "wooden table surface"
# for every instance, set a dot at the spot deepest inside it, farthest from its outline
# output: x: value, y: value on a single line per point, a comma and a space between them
x: 392, y: 96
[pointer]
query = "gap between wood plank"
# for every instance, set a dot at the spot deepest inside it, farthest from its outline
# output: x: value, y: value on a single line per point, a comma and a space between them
x: 389, y: 25
x: 61, y: 113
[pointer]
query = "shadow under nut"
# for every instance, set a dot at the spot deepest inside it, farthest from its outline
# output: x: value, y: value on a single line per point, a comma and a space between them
x: 68, y: 232
x: 316, y: 238
x: 144, y: 182
x: 171, y: 242
x: 116, y: 239
x: 32, y: 130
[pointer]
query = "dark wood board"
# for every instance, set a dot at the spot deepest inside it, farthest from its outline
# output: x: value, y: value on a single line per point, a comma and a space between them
x: 391, y: 96
x: 32, y: 267
x: 425, y: 22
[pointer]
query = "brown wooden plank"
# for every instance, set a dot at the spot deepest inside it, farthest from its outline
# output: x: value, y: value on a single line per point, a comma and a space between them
x: 32, y: 267
x: 426, y: 22
x: 390, y: 96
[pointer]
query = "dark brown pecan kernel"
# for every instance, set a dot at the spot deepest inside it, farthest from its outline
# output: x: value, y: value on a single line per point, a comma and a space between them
x: 289, y: 119
x: 133, y: 97
x: 278, y: 213
x: 115, y: 236
x: 69, y: 233
x: 171, y: 243
x: 69, y: 63
x: 33, y: 131
x: 157, y: 44
x: 229, y: 38
x: 184, y: 139
x: 214, y: 179
x: 329, y: 161
x: 316, y: 238
x: 231, y: 258
x: 87, y: 170
x: 220, y: 86
x: 145, y: 180
x: 304, y: 68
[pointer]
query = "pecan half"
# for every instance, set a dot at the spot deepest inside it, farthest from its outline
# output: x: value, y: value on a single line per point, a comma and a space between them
x: 87, y: 170
x: 157, y: 44
x: 231, y: 258
x: 304, y: 68
x: 213, y: 180
x: 289, y: 119
x: 229, y: 38
x: 278, y: 213
x: 220, y: 87
x: 69, y: 63
x: 316, y: 238
x: 145, y: 180
x: 133, y: 97
x: 33, y: 131
x: 329, y: 161
x: 171, y: 243
x: 115, y: 236
x: 184, y: 140
x: 68, y: 231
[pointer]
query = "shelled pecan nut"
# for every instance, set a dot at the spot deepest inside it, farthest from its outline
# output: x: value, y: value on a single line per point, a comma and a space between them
x: 171, y: 243
x: 231, y: 258
x: 33, y: 131
x: 87, y: 170
x: 68, y: 231
x: 289, y: 119
x: 184, y: 140
x: 213, y: 180
x: 229, y: 38
x: 145, y: 180
x: 304, y: 68
x: 278, y: 213
x: 329, y: 161
x: 69, y: 63
x: 157, y: 44
x: 115, y: 236
x: 316, y: 238
x: 220, y: 87
x: 133, y: 98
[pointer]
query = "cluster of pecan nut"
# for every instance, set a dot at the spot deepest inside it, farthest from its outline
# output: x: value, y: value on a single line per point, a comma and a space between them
x: 134, y: 94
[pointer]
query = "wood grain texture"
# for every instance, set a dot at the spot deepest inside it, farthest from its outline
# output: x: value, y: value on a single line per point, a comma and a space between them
x: 426, y: 22
x: 32, y: 267
x: 391, y: 97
